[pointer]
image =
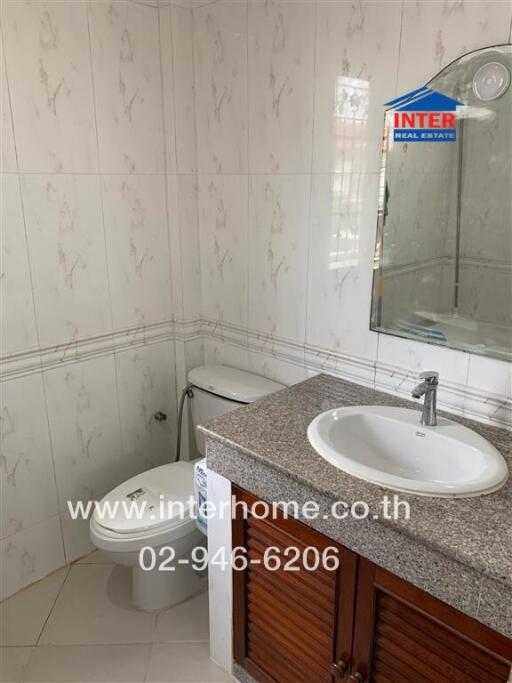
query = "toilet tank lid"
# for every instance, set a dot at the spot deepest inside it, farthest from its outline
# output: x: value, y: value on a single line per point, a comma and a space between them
x: 237, y: 385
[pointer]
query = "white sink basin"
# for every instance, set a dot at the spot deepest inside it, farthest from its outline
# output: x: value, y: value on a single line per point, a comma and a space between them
x: 389, y: 447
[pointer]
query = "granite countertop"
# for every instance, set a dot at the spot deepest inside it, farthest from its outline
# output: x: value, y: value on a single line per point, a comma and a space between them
x: 266, y: 443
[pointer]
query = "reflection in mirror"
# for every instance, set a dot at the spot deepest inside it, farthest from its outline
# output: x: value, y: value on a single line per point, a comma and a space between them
x: 443, y: 262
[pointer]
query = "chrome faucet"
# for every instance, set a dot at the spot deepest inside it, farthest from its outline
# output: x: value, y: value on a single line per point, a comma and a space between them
x: 428, y: 388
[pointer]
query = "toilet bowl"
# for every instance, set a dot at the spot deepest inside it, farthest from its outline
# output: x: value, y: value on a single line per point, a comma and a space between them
x: 148, y: 522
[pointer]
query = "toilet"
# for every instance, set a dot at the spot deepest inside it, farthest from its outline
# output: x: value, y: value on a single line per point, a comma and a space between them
x: 154, y: 510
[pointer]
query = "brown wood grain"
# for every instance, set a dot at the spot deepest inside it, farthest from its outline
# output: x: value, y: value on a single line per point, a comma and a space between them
x: 407, y: 636
x: 291, y: 627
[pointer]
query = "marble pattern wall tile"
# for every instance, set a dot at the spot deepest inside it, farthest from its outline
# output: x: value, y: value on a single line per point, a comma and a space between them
x: 75, y: 536
x: 184, y: 232
x: 482, y: 239
x: 127, y: 82
x: 146, y: 384
x: 48, y: 68
x: 428, y: 201
x: 52, y: 51
x: 27, y: 483
x: 30, y: 555
x: 436, y: 33
x: 274, y: 368
x: 484, y: 373
x: 404, y: 353
x: 219, y: 352
x: 67, y: 250
x: 138, y: 248
x: 84, y: 427
x: 177, y: 266
x: 223, y: 244
x: 278, y: 236
x: 189, y: 354
x: 356, y: 61
x: 17, y: 307
x: 168, y: 89
x: 485, y: 295
x: 281, y: 38
x: 220, y: 43
x: 8, y: 160
x: 343, y: 224
x: 182, y: 31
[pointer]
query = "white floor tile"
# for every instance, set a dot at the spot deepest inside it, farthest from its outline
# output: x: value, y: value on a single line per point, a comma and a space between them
x: 22, y: 616
x: 186, y: 622
x: 94, y: 607
x: 13, y: 661
x: 88, y: 664
x: 183, y: 663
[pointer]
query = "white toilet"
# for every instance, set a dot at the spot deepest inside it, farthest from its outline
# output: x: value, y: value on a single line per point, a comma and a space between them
x: 158, y: 524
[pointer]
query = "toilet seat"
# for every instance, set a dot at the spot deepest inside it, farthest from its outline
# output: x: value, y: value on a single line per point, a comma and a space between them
x: 154, y: 507
x: 127, y: 543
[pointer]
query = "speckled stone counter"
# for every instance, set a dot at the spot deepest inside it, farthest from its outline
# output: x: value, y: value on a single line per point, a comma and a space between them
x: 459, y: 550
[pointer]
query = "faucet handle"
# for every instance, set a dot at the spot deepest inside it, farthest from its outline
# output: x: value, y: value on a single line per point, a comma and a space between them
x: 430, y: 376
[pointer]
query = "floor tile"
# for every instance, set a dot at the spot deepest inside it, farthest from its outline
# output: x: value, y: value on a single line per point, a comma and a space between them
x: 22, y: 616
x: 88, y: 664
x: 95, y: 607
x: 13, y: 661
x: 183, y: 663
x: 96, y: 557
x: 186, y: 622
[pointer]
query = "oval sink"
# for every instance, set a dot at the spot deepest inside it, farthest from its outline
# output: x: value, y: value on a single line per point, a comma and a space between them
x: 389, y: 447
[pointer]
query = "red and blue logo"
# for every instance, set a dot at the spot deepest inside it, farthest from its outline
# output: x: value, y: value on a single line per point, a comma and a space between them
x: 424, y: 115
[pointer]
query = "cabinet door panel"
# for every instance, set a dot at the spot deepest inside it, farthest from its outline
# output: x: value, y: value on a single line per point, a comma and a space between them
x: 290, y: 626
x: 404, y: 635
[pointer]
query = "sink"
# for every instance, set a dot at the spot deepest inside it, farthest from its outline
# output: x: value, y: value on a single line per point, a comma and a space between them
x: 389, y: 447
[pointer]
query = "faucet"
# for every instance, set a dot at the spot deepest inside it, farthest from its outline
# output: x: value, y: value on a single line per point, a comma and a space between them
x: 428, y: 388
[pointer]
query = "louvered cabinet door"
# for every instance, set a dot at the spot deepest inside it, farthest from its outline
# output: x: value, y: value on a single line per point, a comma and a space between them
x: 291, y: 626
x: 404, y: 635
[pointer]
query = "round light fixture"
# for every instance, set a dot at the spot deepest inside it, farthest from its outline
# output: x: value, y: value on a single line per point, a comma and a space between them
x: 491, y: 81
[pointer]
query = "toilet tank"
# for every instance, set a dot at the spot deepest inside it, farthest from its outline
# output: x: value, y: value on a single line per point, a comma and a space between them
x: 218, y: 389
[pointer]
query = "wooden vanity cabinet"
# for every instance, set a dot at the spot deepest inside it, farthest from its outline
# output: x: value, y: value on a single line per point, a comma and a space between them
x: 358, y: 624
x: 404, y: 635
x: 290, y: 626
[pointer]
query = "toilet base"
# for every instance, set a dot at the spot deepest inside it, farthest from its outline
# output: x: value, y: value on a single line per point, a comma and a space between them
x: 152, y: 590
x: 157, y: 588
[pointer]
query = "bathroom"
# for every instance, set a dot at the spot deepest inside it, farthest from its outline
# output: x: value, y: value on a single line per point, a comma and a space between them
x: 203, y: 206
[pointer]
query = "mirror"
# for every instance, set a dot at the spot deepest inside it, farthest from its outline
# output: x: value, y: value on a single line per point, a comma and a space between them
x: 443, y: 261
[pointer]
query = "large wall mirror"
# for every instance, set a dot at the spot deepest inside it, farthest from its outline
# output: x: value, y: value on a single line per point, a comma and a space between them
x: 443, y: 263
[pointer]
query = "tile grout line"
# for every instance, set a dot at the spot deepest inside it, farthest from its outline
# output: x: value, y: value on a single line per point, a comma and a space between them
x: 311, y: 177
x: 177, y: 193
x: 34, y: 307
x: 105, y: 241
x: 162, y: 25
x: 148, y: 662
x: 111, y: 644
x: 196, y: 176
x: 52, y: 607
x: 399, y: 51
x: 27, y: 528
x: 189, y: 174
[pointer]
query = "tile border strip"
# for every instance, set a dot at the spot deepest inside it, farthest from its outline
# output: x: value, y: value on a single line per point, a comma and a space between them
x: 488, y: 407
